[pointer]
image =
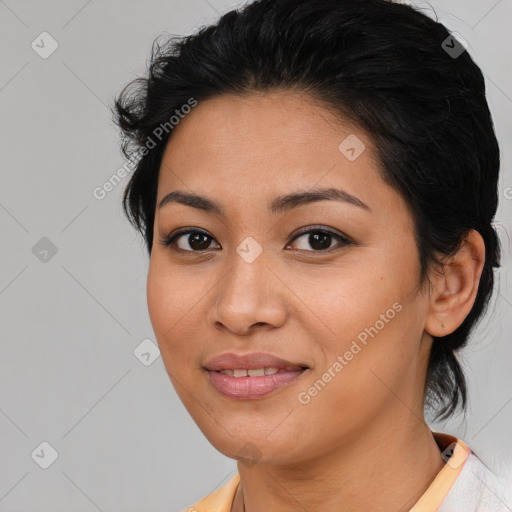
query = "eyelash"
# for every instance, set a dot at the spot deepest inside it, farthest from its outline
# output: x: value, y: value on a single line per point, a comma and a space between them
x: 171, y: 239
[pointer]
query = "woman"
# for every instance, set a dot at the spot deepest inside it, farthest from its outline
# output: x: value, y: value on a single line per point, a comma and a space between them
x: 316, y: 182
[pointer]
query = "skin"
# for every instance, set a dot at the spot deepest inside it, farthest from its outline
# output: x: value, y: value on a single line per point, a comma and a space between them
x: 362, y: 442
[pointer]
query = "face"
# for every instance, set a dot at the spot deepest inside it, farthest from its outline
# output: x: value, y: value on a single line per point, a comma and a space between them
x: 330, y: 284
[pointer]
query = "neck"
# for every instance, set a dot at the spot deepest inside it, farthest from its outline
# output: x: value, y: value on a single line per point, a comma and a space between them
x: 384, y: 469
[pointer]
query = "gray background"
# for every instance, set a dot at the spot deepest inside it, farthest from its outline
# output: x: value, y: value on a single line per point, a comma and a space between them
x: 70, y: 324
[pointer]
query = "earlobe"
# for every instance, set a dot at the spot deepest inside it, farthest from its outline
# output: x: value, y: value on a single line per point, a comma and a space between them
x: 456, y: 287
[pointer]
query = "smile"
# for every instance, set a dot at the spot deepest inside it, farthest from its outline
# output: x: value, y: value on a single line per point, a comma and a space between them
x: 252, y: 372
x: 253, y: 383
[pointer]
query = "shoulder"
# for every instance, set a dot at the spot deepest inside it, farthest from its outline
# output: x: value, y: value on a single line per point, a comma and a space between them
x: 477, y: 487
x: 220, y: 500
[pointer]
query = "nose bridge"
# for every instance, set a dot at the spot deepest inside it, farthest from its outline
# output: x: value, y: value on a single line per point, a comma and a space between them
x: 244, y: 296
x: 248, y: 272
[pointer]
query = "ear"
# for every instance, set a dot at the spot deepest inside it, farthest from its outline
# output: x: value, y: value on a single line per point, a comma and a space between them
x: 456, y: 286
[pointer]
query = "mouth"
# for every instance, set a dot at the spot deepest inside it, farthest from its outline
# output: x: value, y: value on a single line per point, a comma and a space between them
x: 254, y: 364
x: 252, y: 376
x: 252, y: 384
x: 257, y: 372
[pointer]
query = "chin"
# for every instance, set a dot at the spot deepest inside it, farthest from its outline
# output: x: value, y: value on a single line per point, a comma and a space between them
x: 254, y: 447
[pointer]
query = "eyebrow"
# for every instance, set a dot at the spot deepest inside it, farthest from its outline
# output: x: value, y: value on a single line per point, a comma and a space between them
x: 278, y: 205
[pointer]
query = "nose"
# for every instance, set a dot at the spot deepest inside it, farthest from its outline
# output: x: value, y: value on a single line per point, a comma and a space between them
x: 250, y: 296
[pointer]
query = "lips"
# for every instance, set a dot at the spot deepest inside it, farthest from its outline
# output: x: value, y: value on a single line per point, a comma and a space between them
x: 253, y: 375
x: 251, y: 361
x: 253, y: 388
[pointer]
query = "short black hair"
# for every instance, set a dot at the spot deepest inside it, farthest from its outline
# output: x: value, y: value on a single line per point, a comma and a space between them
x: 398, y: 74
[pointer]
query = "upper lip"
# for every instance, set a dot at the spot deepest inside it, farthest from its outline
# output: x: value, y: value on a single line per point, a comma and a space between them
x: 232, y: 361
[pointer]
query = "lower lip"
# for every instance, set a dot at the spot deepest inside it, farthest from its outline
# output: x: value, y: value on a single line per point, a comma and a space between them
x: 252, y: 387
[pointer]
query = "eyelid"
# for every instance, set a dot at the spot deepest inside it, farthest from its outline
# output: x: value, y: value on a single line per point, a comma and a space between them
x: 324, y: 229
x: 341, y: 237
x: 169, y: 240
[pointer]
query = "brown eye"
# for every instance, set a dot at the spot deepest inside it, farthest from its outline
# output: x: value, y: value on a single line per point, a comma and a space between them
x: 320, y: 240
x: 193, y: 241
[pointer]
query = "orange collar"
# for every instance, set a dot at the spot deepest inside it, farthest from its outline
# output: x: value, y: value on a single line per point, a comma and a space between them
x: 455, y: 452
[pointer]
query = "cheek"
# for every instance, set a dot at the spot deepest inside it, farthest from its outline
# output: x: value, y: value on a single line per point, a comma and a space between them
x: 159, y: 301
x: 347, y: 304
x: 171, y: 295
x: 170, y: 307
x: 372, y: 319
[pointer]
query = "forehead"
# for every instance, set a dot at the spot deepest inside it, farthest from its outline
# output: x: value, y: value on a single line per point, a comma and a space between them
x: 281, y: 119
x: 245, y: 145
